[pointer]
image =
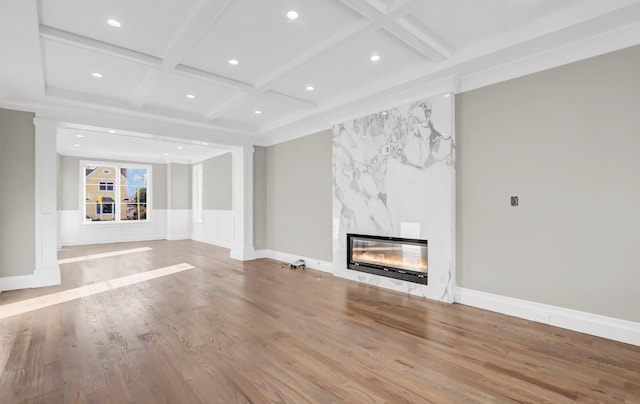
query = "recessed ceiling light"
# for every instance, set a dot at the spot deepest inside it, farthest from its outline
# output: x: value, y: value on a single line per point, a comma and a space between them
x: 78, y: 135
x: 447, y: 95
x: 233, y: 62
x: 384, y: 112
x: 292, y: 14
x: 205, y: 144
x: 375, y: 58
x: 191, y: 96
x: 310, y: 88
x: 114, y: 23
x: 76, y: 145
x: 257, y: 112
x: 97, y: 75
x: 179, y: 147
x: 112, y: 131
x: 165, y: 154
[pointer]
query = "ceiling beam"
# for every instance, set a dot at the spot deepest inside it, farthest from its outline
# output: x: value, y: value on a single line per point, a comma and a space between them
x: 224, y: 107
x: 417, y: 29
x: 404, y: 7
x: 366, y: 8
x: 429, y: 47
x: 342, y: 38
x: 214, y: 78
x: 432, y: 52
x: 202, y: 17
x: 287, y: 99
x: 79, y: 41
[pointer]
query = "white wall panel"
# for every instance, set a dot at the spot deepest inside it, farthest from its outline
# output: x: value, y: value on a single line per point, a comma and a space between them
x: 179, y: 224
x: 217, y: 227
x: 75, y: 232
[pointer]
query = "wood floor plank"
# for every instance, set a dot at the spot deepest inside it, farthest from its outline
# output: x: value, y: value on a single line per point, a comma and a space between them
x: 253, y: 332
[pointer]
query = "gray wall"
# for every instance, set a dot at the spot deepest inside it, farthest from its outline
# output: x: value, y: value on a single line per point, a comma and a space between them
x: 566, y: 141
x: 180, y: 177
x: 70, y: 182
x: 217, y: 177
x: 260, y: 197
x: 298, y: 196
x: 17, y: 204
x: 159, y: 186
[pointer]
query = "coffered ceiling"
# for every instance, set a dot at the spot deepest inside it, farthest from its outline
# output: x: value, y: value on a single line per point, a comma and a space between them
x: 241, y: 69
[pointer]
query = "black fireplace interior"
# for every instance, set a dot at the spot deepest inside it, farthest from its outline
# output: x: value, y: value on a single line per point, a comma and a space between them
x: 393, y: 257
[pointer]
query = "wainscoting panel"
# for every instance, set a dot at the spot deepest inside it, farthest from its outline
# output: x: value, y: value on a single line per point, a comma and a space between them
x: 216, y: 228
x: 74, y: 232
x: 179, y: 224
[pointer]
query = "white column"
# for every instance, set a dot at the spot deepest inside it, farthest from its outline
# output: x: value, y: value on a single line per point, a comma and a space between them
x: 169, y: 216
x: 243, y: 203
x: 47, y: 271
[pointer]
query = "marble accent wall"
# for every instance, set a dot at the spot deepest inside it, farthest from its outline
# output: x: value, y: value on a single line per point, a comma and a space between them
x: 394, y: 175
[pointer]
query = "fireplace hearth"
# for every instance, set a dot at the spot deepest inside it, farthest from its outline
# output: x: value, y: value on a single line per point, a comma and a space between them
x: 393, y: 257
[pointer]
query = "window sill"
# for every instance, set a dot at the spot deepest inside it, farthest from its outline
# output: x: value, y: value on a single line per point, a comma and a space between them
x: 114, y: 224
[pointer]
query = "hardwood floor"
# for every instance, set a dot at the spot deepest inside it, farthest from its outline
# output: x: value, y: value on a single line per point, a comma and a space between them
x: 226, y: 331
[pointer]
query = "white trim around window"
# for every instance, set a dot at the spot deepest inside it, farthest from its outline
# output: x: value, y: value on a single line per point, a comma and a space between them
x: 114, y: 198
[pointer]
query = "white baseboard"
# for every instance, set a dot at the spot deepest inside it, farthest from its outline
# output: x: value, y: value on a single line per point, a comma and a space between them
x: 38, y: 279
x: 243, y: 254
x: 111, y: 241
x: 211, y: 241
x: 313, y: 263
x: 588, y: 323
x: 174, y: 237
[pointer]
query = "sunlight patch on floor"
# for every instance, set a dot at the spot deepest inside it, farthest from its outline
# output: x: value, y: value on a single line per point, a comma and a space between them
x: 24, y: 306
x: 102, y: 255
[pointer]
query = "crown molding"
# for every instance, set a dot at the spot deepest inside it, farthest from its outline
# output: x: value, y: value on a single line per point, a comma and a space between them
x: 612, y: 41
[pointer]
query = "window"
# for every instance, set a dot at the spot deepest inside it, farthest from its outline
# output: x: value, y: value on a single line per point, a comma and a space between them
x: 106, y: 185
x: 116, y: 193
x: 105, y: 206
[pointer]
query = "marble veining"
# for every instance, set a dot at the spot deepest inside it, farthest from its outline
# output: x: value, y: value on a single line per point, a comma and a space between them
x: 393, y: 175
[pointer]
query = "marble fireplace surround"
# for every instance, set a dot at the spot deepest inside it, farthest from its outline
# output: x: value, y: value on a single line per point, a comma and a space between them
x: 394, y: 175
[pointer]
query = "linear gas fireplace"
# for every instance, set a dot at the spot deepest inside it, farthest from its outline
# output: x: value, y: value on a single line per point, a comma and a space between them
x: 399, y: 258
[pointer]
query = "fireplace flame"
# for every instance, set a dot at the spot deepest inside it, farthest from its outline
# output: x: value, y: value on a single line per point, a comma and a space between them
x: 411, y: 262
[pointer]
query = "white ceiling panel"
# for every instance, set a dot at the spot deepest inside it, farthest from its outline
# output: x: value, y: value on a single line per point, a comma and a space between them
x: 258, y: 35
x: 463, y: 22
x: 271, y: 110
x: 71, y: 68
x: 349, y: 67
x: 175, y: 88
x: 147, y: 25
